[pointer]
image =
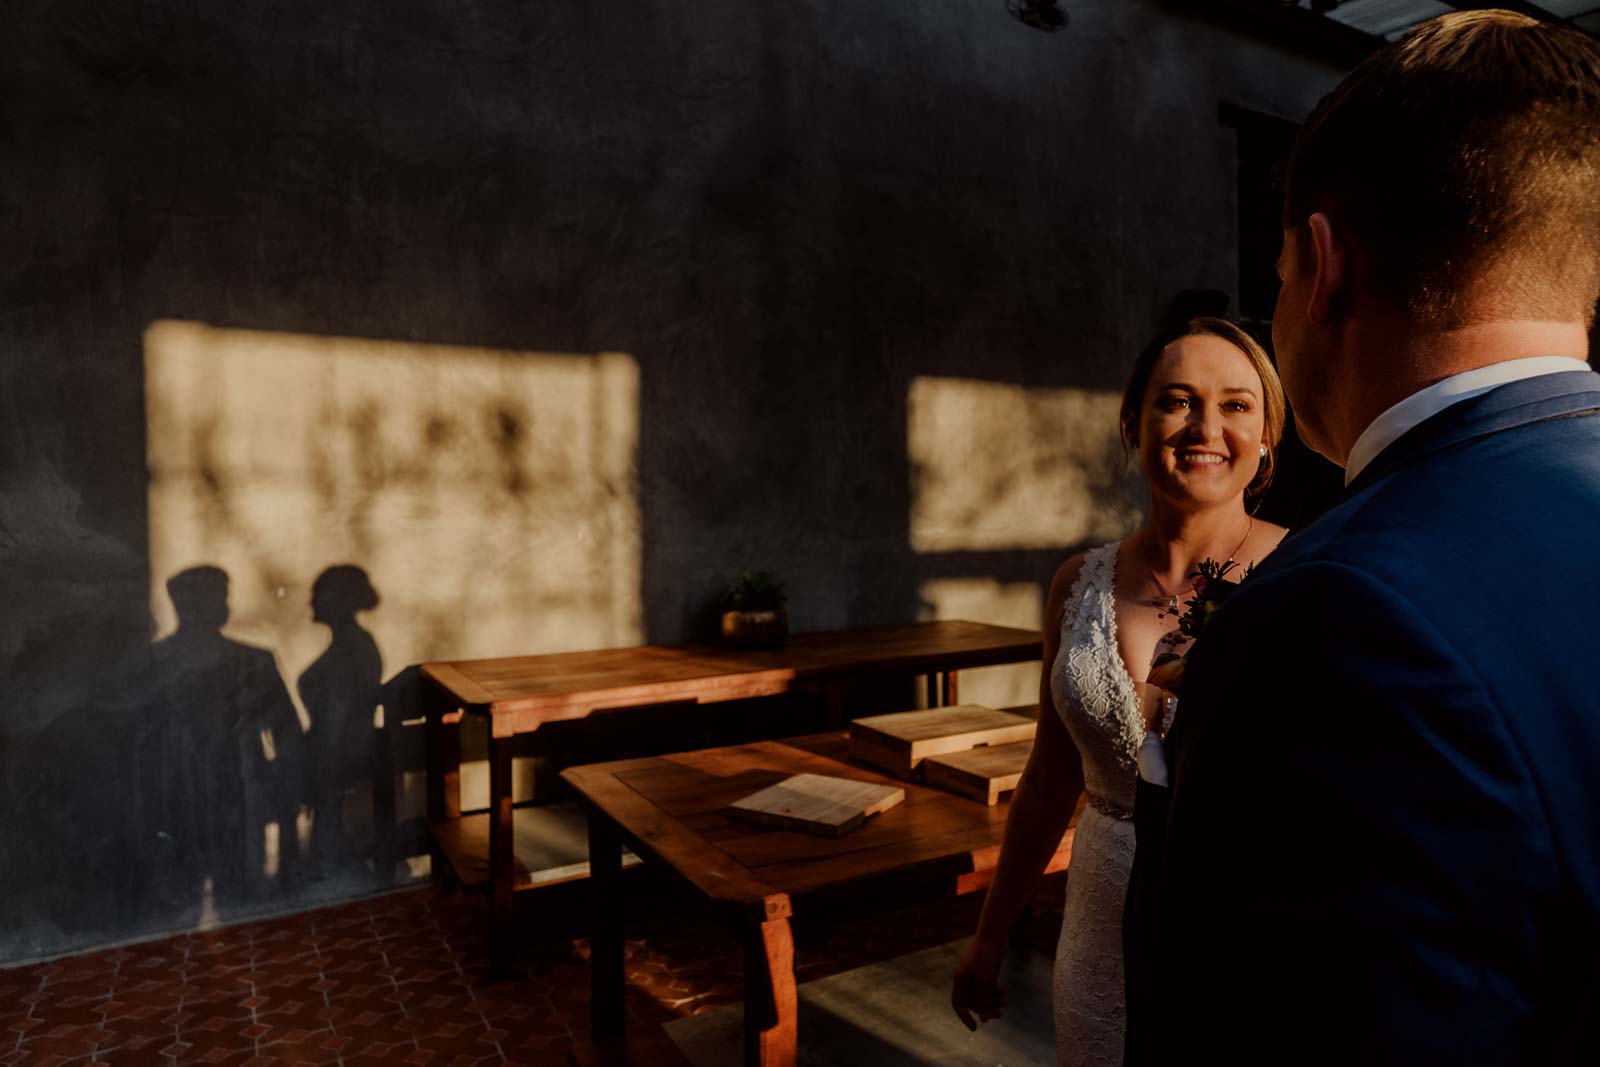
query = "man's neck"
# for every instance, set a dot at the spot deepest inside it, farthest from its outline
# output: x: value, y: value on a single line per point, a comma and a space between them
x: 1385, y: 366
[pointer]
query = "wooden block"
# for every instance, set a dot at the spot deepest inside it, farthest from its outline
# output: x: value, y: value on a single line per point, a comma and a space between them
x: 980, y: 773
x: 900, y: 742
x: 817, y: 804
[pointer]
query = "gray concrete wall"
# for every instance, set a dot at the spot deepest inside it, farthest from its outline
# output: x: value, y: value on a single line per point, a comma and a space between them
x: 541, y: 319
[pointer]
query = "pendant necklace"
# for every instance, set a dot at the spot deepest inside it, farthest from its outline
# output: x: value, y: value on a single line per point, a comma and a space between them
x: 1171, y: 599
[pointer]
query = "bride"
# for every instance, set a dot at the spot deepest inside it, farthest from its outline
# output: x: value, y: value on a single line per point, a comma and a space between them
x: 1205, y: 411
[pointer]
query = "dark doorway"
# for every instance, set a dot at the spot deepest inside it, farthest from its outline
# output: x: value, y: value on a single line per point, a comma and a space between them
x: 1306, y: 485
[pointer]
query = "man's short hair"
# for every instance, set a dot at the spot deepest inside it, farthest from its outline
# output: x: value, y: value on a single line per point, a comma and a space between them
x: 1464, y: 161
x: 200, y: 596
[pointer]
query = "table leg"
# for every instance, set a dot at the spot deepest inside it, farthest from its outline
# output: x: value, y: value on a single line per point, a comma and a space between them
x: 834, y: 696
x: 502, y: 861
x: 950, y: 698
x: 444, y: 752
x: 607, y: 977
x: 385, y: 854
x: 771, y: 1033
x: 933, y: 690
x: 443, y: 743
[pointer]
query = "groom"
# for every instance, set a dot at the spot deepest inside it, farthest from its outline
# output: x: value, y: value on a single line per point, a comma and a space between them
x: 1380, y: 841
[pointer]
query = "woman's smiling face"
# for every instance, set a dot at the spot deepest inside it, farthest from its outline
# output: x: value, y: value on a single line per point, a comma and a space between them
x: 1202, y: 425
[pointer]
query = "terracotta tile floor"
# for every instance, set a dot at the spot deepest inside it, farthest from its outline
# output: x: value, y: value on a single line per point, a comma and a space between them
x: 397, y: 980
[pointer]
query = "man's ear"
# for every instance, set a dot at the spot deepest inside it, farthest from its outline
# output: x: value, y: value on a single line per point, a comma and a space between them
x: 1331, y: 278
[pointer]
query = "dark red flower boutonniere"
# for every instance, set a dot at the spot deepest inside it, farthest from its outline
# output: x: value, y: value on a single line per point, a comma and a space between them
x: 1212, y: 587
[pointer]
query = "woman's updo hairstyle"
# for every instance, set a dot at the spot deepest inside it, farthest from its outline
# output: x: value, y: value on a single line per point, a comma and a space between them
x: 346, y: 589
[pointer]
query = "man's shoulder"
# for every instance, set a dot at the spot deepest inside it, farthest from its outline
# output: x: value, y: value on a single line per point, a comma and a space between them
x: 1321, y: 589
x: 1483, y: 502
x: 1472, y: 557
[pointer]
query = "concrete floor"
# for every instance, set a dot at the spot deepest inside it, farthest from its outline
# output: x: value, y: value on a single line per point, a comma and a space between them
x: 896, y: 1014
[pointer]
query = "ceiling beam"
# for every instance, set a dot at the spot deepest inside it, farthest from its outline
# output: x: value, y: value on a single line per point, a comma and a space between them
x: 1288, y: 26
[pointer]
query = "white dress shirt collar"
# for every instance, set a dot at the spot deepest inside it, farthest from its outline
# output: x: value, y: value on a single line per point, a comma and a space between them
x: 1422, y: 405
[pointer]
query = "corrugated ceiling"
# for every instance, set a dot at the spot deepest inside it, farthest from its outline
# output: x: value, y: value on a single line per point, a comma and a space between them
x: 1568, y: 8
x: 1389, y: 19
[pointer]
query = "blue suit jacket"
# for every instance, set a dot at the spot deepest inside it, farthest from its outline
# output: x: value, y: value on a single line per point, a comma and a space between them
x: 1383, y: 840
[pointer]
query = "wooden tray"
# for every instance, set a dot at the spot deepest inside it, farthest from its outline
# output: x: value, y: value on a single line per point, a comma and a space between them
x: 900, y: 742
x: 980, y: 773
x: 817, y: 804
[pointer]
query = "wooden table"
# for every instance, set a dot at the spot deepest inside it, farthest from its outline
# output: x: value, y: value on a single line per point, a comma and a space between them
x: 520, y: 694
x: 671, y: 811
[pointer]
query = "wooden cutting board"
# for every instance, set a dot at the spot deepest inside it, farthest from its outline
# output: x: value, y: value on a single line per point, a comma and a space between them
x: 980, y: 773
x: 817, y: 804
x: 900, y: 742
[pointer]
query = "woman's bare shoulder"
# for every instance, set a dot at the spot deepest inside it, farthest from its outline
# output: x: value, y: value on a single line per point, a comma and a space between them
x: 1264, y: 538
x: 1271, y: 534
x: 1065, y: 575
x: 1061, y: 584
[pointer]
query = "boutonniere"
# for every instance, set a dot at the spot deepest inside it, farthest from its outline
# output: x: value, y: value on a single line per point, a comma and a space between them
x: 1212, y: 587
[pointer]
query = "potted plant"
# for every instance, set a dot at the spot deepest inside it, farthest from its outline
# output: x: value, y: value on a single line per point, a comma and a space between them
x: 752, y: 611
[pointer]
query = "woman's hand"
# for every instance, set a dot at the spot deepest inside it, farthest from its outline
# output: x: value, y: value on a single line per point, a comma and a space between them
x: 976, y: 990
x: 1168, y: 674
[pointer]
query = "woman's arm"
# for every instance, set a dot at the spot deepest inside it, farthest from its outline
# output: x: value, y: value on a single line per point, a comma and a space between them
x: 1040, y: 810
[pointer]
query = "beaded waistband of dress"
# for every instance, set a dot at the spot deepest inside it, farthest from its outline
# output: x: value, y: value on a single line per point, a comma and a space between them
x: 1107, y: 807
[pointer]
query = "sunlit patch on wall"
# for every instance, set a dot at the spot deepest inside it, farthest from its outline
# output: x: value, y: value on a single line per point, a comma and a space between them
x: 997, y: 466
x: 489, y: 495
x: 1018, y: 604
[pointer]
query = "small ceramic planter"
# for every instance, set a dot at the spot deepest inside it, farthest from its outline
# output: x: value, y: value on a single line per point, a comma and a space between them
x: 755, y: 629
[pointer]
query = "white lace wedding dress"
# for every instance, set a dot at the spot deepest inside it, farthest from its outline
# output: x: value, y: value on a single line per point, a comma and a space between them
x: 1094, y: 696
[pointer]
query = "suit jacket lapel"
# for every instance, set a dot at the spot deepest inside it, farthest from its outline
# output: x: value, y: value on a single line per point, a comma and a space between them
x: 1550, y: 396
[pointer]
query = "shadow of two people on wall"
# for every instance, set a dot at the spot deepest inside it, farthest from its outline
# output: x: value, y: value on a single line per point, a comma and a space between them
x: 227, y: 778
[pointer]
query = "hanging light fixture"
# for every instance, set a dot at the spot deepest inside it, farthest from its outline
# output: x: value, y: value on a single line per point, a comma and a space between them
x: 1045, y: 16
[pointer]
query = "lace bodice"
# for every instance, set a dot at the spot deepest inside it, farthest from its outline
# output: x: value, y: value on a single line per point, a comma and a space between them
x: 1095, y: 698
x: 1091, y: 689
